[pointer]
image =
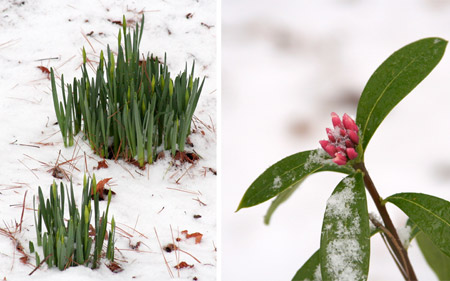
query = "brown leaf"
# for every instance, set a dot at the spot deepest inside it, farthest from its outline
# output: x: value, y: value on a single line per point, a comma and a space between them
x: 197, y: 235
x: 183, y: 265
x: 24, y: 259
x: 161, y: 155
x: 45, y: 70
x: 101, y: 164
x: 91, y: 230
x: 114, y: 267
x: 101, y: 187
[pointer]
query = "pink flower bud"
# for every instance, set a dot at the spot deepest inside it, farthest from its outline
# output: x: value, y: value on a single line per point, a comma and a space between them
x: 336, y: 120
x: 351, y: 153
x: 349, y: 143
x: 349, y: 124
x: 328, y: 147
x: 353, y: 136
x: 343, y: 139
x: 330, y: 135
x: 340, y: 159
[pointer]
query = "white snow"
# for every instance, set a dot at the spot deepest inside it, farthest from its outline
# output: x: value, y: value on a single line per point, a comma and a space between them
x: 277, y: 183
x: 404, y: 234
x: 317, y: 274
x: 163, y: 197
x: 317, y: 157
x: 344, y: 252
x: 338, y: 204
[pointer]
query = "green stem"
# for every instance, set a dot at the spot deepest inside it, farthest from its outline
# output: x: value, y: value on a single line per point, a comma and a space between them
x: 393, y: 240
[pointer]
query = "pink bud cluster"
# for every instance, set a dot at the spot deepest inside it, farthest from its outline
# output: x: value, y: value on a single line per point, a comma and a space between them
x: 342, y: 139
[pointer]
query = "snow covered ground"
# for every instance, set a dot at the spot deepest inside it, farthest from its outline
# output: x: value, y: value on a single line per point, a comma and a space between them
x: 286, y: 66
x: 164, y: 198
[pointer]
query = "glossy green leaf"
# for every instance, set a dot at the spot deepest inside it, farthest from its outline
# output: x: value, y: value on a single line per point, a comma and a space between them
x: 412, y: 230
x: 310, y: 269
x: 431, y: 214
x: 345, y: 239
x: 436, y: 259
x: 287, y: 172
x: 395, y: 78
x: 280, y: 199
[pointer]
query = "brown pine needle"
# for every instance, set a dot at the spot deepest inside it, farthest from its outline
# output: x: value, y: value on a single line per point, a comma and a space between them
x: 162, y: 252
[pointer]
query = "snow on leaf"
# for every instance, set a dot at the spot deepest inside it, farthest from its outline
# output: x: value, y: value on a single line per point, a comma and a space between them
x: 318, y: 156
x: 277, y: 182
x: 345, y: 238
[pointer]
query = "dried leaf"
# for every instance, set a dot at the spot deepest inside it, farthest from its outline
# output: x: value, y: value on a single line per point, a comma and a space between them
x: 183, y: 265
x: 44, y: 69
x: 101, y: 187
x: 24, y: 259
x: 161, y: 155
x: 114, y: 267
x: 101, y: 164
x: 91, y: 230
x: 197, y: 235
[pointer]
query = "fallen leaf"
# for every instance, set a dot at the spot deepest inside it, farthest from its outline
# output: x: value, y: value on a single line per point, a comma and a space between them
x: 197, y: 235
x: 101, y: 164
x: 44, y: 70
x: 183, y: 265
x: 114, y: 267
x: 101, y: 187
x: 24, y: 259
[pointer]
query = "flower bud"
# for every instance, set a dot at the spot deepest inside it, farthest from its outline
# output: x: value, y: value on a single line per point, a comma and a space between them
x: 351, y: 153
x: 336, y: 120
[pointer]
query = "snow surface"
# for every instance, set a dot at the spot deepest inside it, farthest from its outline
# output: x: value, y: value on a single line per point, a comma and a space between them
x: 286, y: 66
x: 161, y: 199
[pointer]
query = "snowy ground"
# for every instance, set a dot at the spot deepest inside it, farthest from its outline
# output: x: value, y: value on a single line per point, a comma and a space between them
x: 163, y: 198
x: 288, y: 64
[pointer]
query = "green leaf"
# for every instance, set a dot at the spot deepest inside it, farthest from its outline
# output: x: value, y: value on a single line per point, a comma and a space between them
x: 436, y: 259
x: 393, y: 80
x: 310, y: 269
x: 287, y: 172
x: 431, y: 214
x: 280, y: 199
x: 345, y: 240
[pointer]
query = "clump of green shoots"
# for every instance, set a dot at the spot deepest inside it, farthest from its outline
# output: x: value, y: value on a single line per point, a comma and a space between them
x: 132, y: 106
x: 72, y: 243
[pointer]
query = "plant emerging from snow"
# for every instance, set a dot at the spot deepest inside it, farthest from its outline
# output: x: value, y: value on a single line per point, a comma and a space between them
x: 347, y: 226
x: 77, y: 242
x: 132, y: 107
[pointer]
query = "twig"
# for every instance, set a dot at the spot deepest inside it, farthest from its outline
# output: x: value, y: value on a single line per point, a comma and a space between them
x: 385, y: 231
x: 23, y: 210
x: 28, y: 168
x: 39, y: 265
x: 187, y: 170
x: 162, y: 252
x: 187, y: 191
x: 177, y: 256
x: 394, y: 240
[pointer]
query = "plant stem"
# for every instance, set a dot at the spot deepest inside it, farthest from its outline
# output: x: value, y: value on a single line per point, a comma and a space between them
x: 393, y: 240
